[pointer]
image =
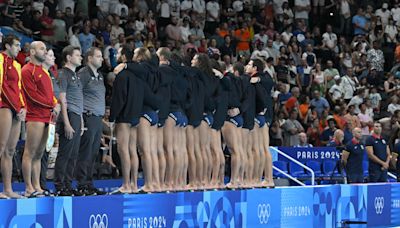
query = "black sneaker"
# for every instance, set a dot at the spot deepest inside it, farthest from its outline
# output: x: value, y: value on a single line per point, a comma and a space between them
x: 96, y: 192
x: 64, y: 192
x: 77, y: 193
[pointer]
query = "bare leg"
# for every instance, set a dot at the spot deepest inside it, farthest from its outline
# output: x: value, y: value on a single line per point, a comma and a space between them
x: 8, y: 154
x: 5, y: 123
x: 184, y: 168
x: 178, y: 159
x: 260, y: 168
x: 145, y: 150
x: 161, y: 157
x: 217, y: 153
x: 36, y: 162
x: 199, y: 158
x: 122, y: 135
x: 34, y: 135
x: 245, y: 156
x: 134, y: 159
x: 230, y: 133
x: 269, y: 181
x: 154, y: 158
x: 204, y: 131
x: 169, y: 152
x: 192, y: 165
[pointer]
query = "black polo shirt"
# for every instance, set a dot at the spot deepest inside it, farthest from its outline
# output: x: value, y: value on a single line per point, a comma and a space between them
x: 379, y: 146
x: 356, y: 155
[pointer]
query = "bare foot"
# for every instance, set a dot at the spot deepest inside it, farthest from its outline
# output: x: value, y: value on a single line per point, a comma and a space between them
x: 13, y: 195
x: 3, y: 196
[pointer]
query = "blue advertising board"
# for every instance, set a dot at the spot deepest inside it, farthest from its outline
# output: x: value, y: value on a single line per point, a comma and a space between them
x: 311, y: 206
x: 304, y: 154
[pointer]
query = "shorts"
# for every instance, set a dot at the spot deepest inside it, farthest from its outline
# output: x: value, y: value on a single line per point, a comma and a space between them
x: 134, y: 122
x: 209, y: 119
x: 180, y: 118
x: 260, y: 120
x: 13, y: 112
x: 151, y: 116
x: 237, y: 121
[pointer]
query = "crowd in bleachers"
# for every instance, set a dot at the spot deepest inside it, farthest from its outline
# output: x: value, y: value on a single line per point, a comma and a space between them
x: 343, y: 50
x: 334, y: 62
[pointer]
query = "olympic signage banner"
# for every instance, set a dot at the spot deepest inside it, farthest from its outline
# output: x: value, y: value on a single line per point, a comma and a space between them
x: 304, y: 154
x: 311, y: 206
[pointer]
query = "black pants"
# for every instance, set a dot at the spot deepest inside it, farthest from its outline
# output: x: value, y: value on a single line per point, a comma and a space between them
x: 88, y: 150
x: 67, y: 154
x: 354, y: 177
x: 377, y: 175
x: 43, y: 169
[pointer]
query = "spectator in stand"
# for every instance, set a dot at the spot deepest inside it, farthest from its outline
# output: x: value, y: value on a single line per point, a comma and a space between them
x: 303, y: 141
x: 48, y: 27
x: 86, y: 39
x: 376, y: 59
x: 320, y: 103
x: 349, y: 84
x: 291, y: 129
x: 347, y: 131
x: 304, y: 76
x: 74, y: 39
x: 336, y: 92
x: 329, y: 131
x: 301, y: 10
x: 116, y: 30
x: 337, y: 139
x: 366, y: 123
x: 378, y: 154
x: 384, y: 14
x: 292, y: 102
x: 213, y: 15
x: 173, y: 31
x: 243, y: 38
x: 360, y: 23
x: 357, y: 100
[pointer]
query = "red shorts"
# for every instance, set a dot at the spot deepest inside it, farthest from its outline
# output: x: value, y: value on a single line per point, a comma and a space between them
x: 38, y: 114
x: 6, y: 104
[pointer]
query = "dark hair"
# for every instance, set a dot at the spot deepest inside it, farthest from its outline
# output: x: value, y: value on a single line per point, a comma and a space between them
x: 127, y: 52
x: 238, y: 67
x: 90, y: 52
x: 177, y: 59
x: 9, y: 39
x: 68, y: 50
x: 270, y: 60
x: 259, y: 64
x: 204, y: 63
x: 215, y: 64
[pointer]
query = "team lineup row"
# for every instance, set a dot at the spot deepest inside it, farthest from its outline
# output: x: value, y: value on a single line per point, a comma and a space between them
x: 176, y: 117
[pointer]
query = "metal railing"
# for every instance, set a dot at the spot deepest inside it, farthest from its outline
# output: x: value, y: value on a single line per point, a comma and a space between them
x: 392, y: 175
x: 296, y: 162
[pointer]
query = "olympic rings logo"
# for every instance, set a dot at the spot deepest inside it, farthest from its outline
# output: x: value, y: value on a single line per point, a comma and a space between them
x: 264, y: 211
x: 379, y: 204
x: 98, y: 221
